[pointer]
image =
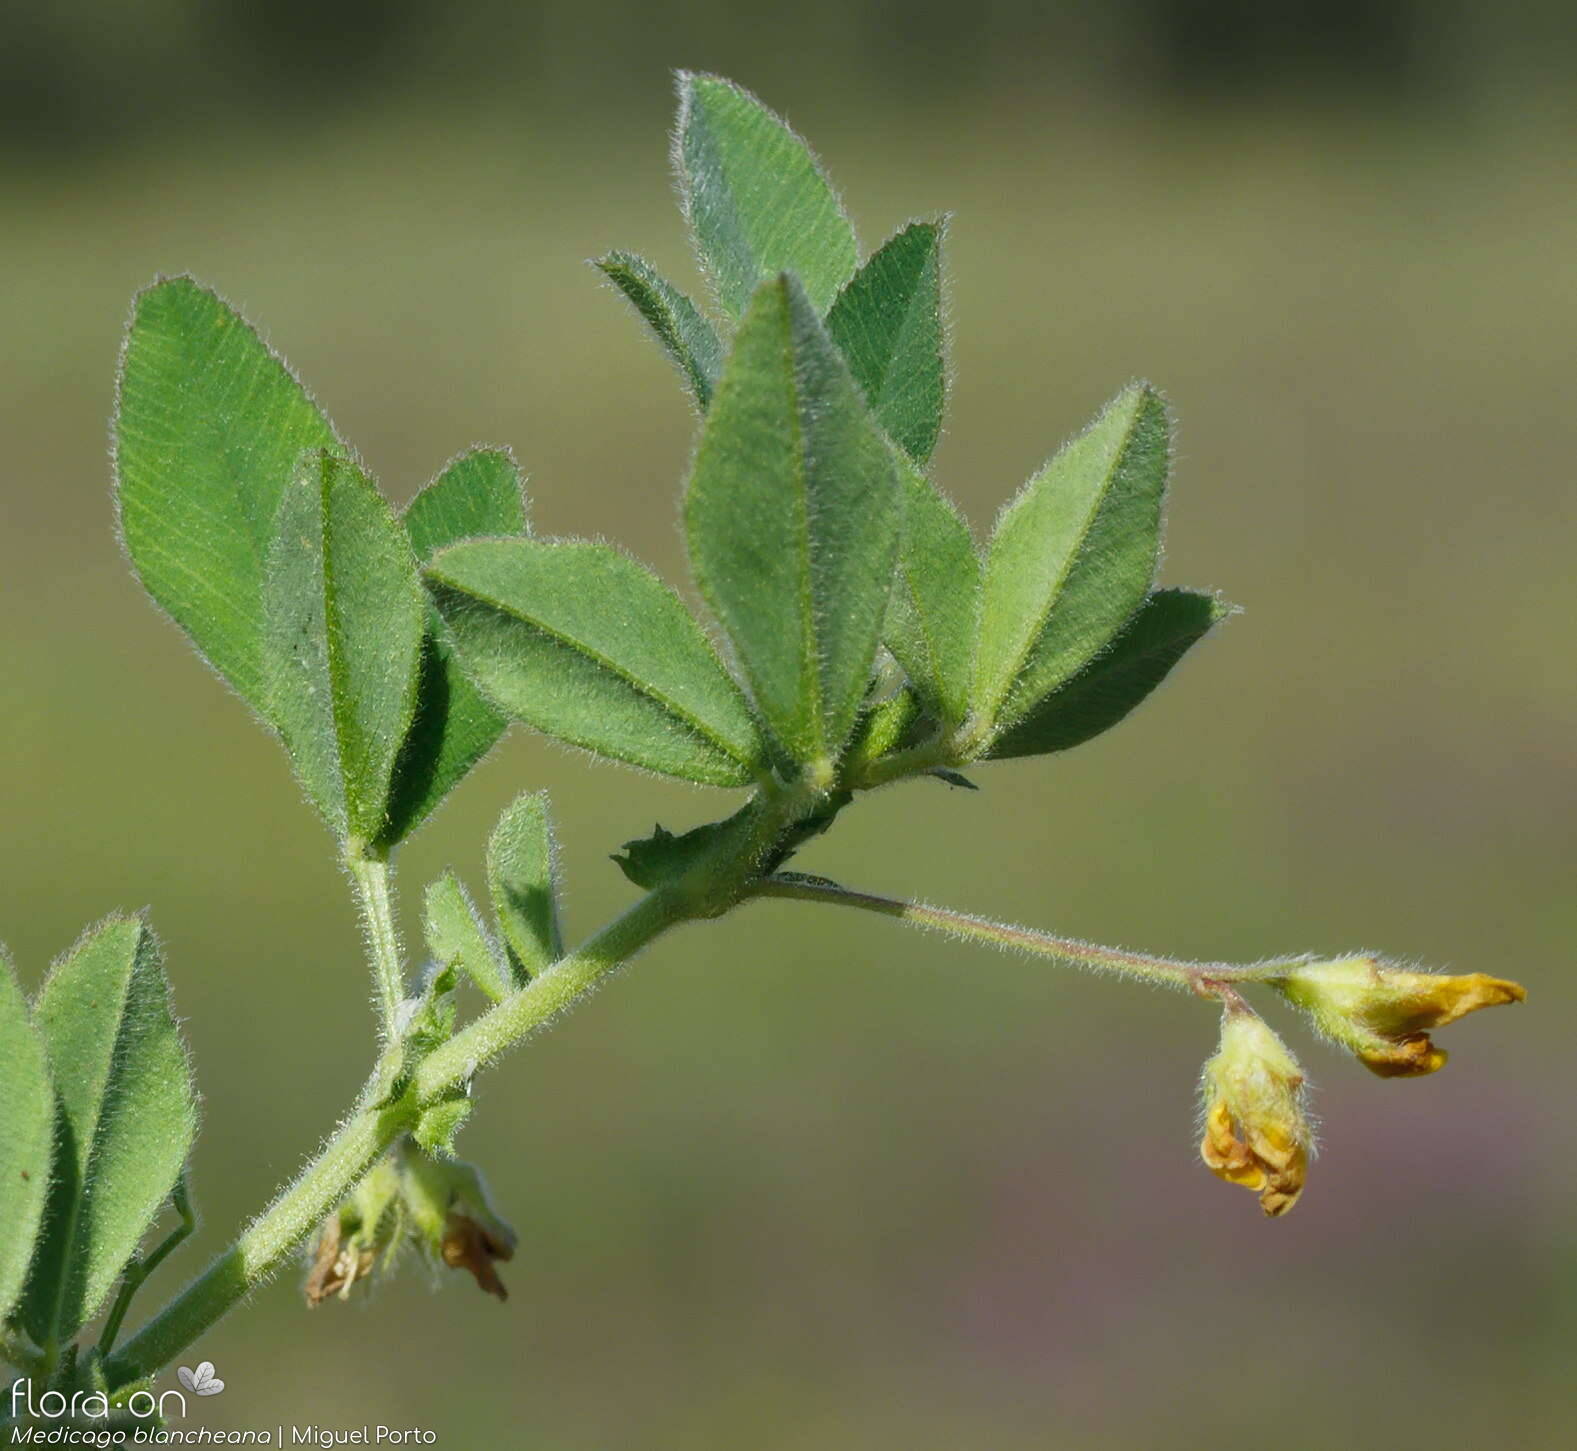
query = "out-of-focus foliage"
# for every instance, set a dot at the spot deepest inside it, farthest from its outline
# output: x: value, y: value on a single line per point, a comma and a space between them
x: 94, y: 73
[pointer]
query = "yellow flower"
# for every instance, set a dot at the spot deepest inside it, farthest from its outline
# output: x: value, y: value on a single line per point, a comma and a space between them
x: 1385, y: 1014
x: 1256, y: 1133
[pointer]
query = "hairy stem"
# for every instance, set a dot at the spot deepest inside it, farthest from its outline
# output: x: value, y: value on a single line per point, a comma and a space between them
x: 370, y: 874
x: 1208, y: 978
x: 383, y: 1114
x: 545, y: 996
x: 142, y: 1266
x: 271, y: 1238
x: 262, y: 1247
x: 900, y: 765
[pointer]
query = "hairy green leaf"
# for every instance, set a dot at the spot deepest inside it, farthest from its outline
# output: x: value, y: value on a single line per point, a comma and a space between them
x: 793, y: 514
x: 438, y: 1125
x: 1118, y: 679
x: 456, y: 938
x: 888, y: 323
x: 125, y: 1118
x: 27, y: 1141
x: 209, y: 424
x: 680, y: 326
x: 933, y: 614
x: 1073, y: 556
x: 478, y: 494
x: 755, y: 197
x: 522, y: 879
x: 585, y: 644
x: 345, y: 615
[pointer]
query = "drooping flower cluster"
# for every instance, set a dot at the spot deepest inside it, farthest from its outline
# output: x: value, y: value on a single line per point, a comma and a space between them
x: 410, y: 1197
x: 1256, y: 1130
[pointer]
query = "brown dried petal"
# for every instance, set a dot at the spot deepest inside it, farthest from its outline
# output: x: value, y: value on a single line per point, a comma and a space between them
x: 336, y: 1266
x: 471, y: 1246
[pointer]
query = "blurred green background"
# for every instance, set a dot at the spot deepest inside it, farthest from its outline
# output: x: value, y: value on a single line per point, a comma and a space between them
x: 799, y: 1180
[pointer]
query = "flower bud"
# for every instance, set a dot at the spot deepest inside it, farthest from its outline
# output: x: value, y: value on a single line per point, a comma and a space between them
x: 1255, y: 1132
x: 1385, y: 1014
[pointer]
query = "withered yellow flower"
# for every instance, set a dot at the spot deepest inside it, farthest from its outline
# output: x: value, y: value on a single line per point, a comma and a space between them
x: 409, y: 1197
x: 474, y: 1245
x: 452, y: 1218
x: 1385, y: 1014
x: 337, y: 1263
x: 350, y: 1240
x: 1256, y: 1133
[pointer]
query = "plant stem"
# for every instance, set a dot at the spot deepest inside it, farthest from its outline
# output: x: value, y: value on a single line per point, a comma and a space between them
x: 714, y: 888
x: 381, y: 1116
x: 370, y: 874
x: 261, y: 1248
x: 1207, y: 978
x: 545, y: 996
x: 140, y: 1268
x: 379, y: 1119
x: 898, y: 766
x: 265, y: 1244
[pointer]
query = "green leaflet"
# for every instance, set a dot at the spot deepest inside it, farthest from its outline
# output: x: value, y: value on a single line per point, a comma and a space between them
x: 933, y: 614
x: 125, y: 1118
x: 209, y: 424
x: 690, y: 339
x: 793, y: 514
x: 585, y: 644
x: 480, y: 493
x: 755, y: 197
x: 439, y: 1124
x: 1118, y: 679
x: 883, y: 726
x: 522, y: 880
x: 456, y: 938
x: 888, y: 324
x: 344, y: 616
x: 27, y: 1141
x: 1073, y: 556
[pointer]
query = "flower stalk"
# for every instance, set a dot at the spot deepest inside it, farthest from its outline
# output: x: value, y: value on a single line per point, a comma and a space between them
x: 1208, y: 979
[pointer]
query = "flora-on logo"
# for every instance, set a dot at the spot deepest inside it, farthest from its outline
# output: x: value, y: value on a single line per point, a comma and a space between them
x: 52, y: 1405
x: 202, y: 1381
